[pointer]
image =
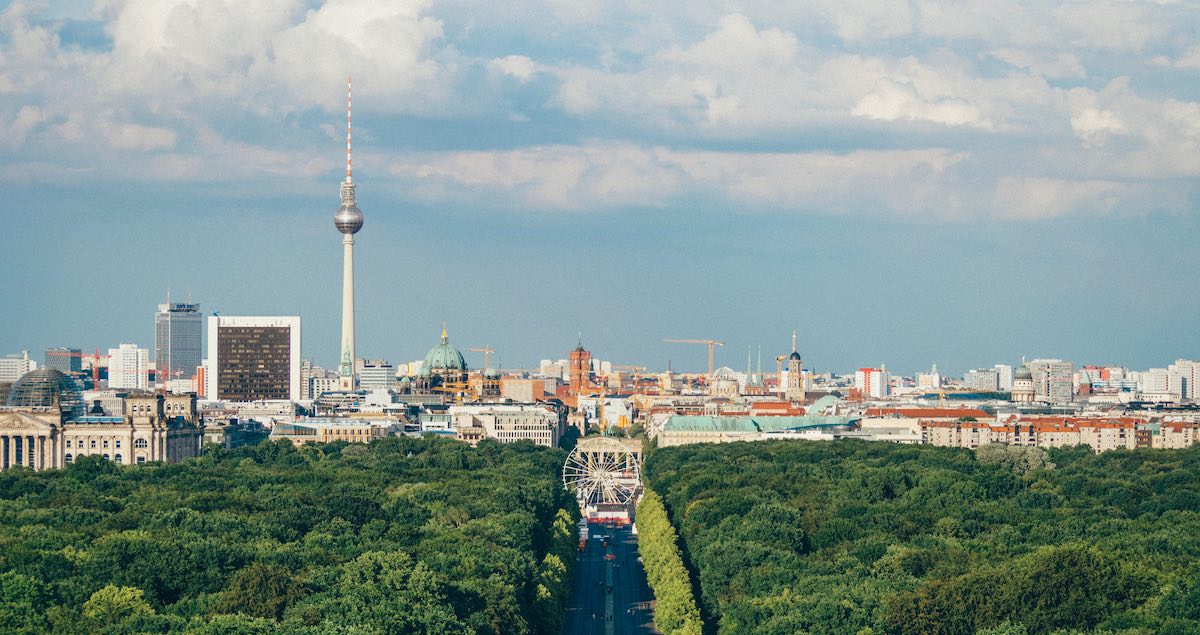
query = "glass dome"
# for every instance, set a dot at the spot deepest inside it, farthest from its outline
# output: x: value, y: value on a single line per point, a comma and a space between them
x: 47, y: 387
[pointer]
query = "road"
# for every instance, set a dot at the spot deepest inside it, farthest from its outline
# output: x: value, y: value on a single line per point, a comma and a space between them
x: 631, y: 597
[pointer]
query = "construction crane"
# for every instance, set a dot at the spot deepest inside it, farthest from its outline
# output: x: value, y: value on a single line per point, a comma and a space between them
x: 635, y: 371
x: 486, y: 354
x: 160, y: 377
x: 711, y: 344
x: 82, y: 356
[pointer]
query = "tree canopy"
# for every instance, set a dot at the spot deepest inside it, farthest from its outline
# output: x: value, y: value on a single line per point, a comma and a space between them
x: 862, y: 537
x: 398, y: 536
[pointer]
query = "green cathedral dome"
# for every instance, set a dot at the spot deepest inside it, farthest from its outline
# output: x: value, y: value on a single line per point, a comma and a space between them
x: 443, y: 357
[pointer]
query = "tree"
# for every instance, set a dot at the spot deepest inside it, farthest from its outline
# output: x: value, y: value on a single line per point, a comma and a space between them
x: 1020, y: 459
x: 261, y: 590
x: 113, y: 605
x: 23, y: 602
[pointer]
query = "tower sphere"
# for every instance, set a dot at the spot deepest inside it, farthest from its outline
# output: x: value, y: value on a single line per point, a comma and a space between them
x: 348, y: 219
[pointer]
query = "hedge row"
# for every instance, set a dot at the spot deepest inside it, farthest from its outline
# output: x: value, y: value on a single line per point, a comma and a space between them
x: 675, y: 610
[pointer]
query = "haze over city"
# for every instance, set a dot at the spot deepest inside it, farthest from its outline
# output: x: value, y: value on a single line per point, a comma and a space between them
x: 950, y: 183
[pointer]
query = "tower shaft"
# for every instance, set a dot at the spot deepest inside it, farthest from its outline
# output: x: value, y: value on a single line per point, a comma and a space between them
x: 346, y: 366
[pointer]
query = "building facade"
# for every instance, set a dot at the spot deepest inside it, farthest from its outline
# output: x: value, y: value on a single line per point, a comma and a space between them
x: 13, y: 366
x: 507, y: 424
x: 128, y: 367
x: 1052, y: 380
x: 253, y: 358
x: 795, y: 375
x: 178, y: 339
x: 580, y: 369
x: 155, y: 428
x: 65, y: 360
x: 330, y: 430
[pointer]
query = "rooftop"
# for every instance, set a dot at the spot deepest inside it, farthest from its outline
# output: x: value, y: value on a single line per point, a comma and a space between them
x: 702, y: 423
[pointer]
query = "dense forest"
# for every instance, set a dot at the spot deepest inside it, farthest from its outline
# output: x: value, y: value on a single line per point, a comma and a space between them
x: 398, y: 536
x: 857, y: 537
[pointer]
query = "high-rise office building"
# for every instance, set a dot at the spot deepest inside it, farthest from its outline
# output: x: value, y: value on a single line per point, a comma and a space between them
x: 253, y: 358
x: 128, y: 367
x: 178, y: 339
x: 348, y: 220
x: 65, y: 360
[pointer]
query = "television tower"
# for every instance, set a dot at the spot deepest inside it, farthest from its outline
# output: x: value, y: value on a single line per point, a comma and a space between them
x: 348, y: 220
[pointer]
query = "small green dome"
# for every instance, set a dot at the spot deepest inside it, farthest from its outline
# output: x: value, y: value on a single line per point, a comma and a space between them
x: 1023, y: 373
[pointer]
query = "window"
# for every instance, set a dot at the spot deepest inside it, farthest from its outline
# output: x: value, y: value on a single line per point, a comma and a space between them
x: 141, y: 459
x: 93, y: 443
x: 68, y: 443
x: 105, y: 457
x: 118, y: 458
x: 104, y: 443
x: 70, y: 459
x: 117, y: 444
x: 140, y: 443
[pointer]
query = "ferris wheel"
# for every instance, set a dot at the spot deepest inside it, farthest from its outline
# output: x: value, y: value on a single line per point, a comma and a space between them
x: 602, y: 470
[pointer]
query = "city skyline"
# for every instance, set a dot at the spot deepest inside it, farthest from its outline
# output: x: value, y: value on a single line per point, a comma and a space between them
x: 909, y: 222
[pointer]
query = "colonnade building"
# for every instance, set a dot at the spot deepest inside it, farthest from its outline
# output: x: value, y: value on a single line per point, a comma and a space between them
x: 44, y: 426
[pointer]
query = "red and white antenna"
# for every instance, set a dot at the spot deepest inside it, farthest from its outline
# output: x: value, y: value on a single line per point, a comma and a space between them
x: 349, y: 174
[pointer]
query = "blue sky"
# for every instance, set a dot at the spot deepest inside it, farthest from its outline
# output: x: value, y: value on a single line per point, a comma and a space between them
x: 959, y: 183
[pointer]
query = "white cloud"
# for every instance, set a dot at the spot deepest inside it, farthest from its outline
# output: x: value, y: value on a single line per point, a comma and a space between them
x: 599, y: 176
x: 675, y: 99
x: 1039, y: 197
x: 518, y: 66
x: 1094, y: 125
x: 893, y: 100
x: 137, y: 137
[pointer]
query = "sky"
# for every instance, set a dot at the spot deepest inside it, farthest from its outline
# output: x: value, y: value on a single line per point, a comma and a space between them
x: 959, y: 182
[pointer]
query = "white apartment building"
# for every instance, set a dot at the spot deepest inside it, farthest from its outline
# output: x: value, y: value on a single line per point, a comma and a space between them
x: 1175, y: 435
x: 875, y: 383
x: 128, y: 367
x: 377, y: 373
x: 1188, y: 372
x: 984, y: 379
x: 15, y: 365
x: 1004, y: 377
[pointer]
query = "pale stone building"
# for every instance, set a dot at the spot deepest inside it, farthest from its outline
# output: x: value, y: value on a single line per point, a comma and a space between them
x: 330, y: 430
x: 507, y: 423
x: 154, y: 428
x: 1175, y: 435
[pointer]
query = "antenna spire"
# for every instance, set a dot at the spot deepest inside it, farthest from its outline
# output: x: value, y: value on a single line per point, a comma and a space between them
x: 793, y: 340
x: 349, y: 172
